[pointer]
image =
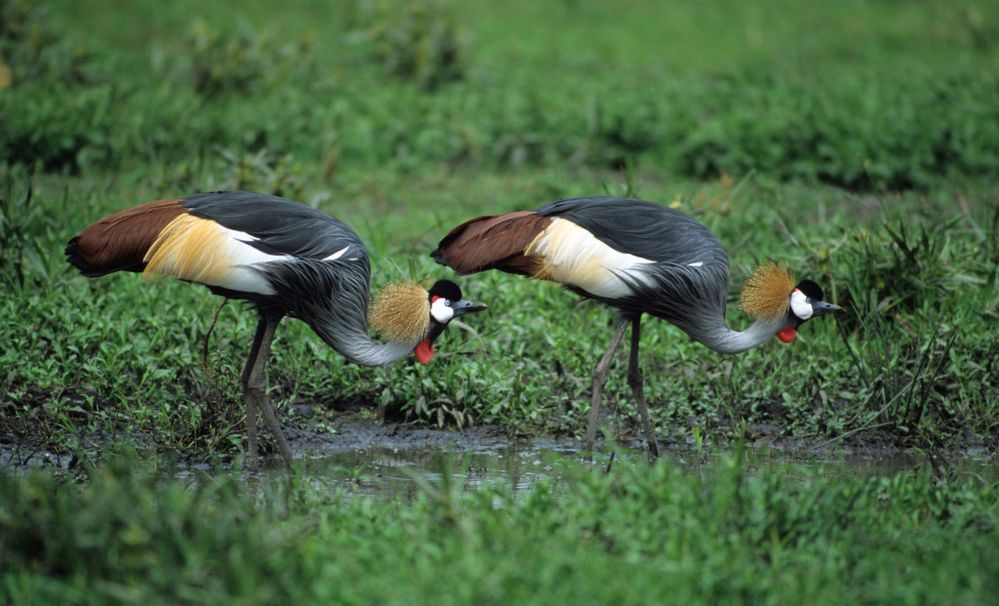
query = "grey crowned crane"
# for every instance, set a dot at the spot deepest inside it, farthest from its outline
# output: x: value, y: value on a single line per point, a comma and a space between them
x: 639, y: 258
x: 286, y: 259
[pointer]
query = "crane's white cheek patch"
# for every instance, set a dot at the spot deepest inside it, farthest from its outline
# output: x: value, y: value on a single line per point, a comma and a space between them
x: 441, y: 311
x: 800, y: 305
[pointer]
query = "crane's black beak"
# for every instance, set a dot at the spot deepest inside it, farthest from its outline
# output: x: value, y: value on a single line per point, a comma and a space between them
x: 465, y: 307
x: 822, y: 307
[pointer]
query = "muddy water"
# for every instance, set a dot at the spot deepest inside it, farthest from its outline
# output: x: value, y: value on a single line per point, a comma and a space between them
x: 367, y: 459
x: 394, y: 472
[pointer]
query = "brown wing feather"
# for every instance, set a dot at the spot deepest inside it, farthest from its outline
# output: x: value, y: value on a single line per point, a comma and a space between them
x: 119, y: 242
x: 492, y: 242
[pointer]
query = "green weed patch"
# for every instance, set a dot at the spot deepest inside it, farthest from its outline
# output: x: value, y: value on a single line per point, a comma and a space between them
x: 131, y: 533
x: 364, y: 111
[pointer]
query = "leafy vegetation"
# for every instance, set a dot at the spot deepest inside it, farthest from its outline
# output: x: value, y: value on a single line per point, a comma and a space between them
x: 896, y: 106
x: 406, y: 119
x: 416, y: 41
x: 132, y: 533
x: 856, y: 141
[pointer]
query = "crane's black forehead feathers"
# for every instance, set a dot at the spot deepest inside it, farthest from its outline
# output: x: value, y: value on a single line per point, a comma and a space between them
x: 446, y: 289
x: 811, y: 289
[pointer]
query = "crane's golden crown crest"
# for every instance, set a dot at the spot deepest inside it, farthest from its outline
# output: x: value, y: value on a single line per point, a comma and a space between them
x: 401, y: 312
x: 766, y: 295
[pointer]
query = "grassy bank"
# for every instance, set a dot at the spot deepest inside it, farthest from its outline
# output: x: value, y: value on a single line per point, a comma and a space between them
x: 134, y: 534
x: 914, y: 360
x: 404, y: 122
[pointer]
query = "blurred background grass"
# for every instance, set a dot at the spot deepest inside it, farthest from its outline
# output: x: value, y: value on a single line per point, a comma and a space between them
x: 865, y: 95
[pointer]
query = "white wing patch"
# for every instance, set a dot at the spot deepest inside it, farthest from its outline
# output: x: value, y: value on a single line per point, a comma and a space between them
x: 338, y: 254
x: 572, y: 255
x: 243, y: 257
x: 200, y: 250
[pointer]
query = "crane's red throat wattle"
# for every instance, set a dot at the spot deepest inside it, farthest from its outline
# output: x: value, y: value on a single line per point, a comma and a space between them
x: 424, y: 351
x: 787, y: 334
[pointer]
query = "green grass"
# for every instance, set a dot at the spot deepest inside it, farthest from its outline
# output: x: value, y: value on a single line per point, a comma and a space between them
x: 406, y: 122
x: 132, y: 533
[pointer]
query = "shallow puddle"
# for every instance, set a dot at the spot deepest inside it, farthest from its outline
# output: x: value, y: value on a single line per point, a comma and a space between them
x: 403, y: 473
x: 369, y: 459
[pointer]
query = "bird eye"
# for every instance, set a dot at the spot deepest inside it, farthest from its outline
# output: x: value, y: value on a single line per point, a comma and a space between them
x: 447, y: 302
x: 808, y: 299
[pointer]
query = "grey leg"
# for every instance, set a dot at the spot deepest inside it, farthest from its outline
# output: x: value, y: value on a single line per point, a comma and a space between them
x: 208, y: 336
x: 636, y: 381
x: 599, y: 378
x: 256, y: 386
x: 250, y: 400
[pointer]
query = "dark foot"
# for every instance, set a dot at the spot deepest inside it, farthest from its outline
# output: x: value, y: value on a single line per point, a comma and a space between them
x: 599, y: 378
x: 275, y: 428
x: 653, y: 451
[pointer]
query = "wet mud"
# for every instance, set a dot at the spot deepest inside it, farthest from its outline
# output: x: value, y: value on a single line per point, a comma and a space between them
x: 362, y: 457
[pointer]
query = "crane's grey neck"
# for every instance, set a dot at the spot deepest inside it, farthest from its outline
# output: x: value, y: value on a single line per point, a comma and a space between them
x: 358, y: 347
x: 343, y: 324
x: 332, y: 297
x: 693, y: 298
x: 723, y: 339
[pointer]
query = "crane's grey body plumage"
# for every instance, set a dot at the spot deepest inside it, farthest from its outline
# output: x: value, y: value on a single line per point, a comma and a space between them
x: 687, y: 285
x: 279, y: 226
x: 330, y: 295
x: 641, y: 228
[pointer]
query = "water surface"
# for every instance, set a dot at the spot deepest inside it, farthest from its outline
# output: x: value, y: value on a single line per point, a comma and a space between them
x: 393, y: 472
